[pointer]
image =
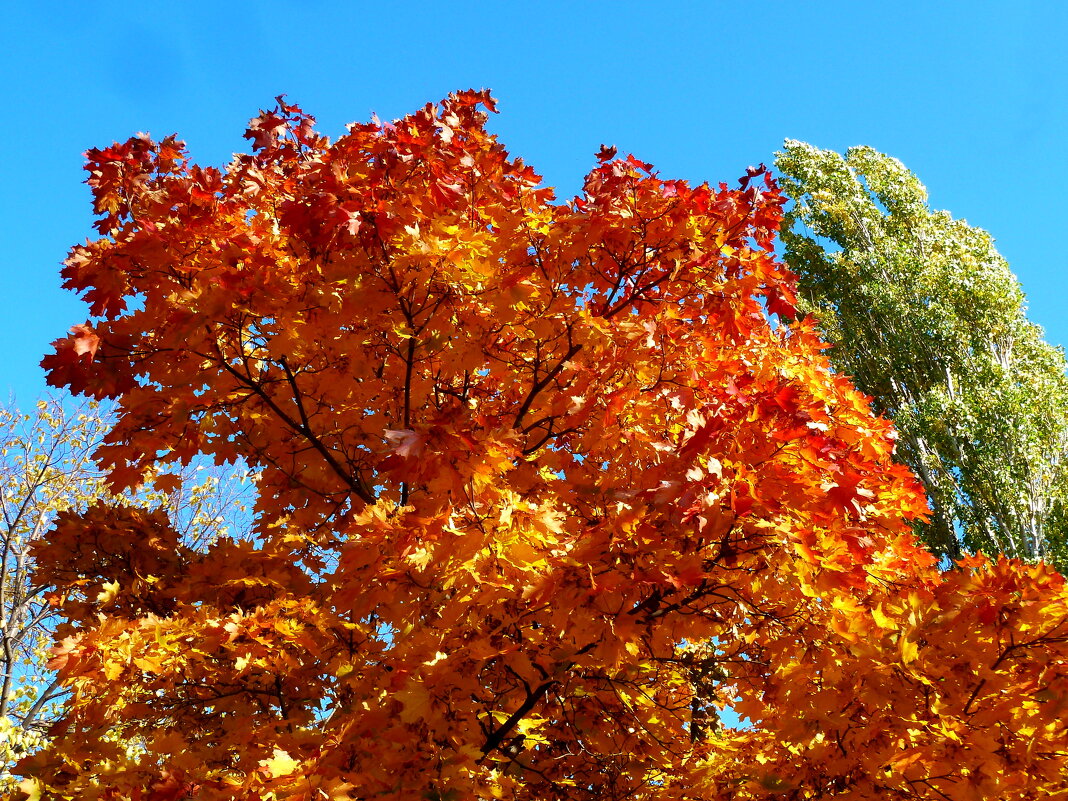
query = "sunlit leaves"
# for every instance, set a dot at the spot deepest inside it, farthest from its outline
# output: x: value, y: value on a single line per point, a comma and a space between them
x: 47, y: 475
x: 543, y: 486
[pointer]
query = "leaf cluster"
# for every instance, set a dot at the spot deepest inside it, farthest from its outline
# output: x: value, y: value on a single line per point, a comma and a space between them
x: 927, y: 318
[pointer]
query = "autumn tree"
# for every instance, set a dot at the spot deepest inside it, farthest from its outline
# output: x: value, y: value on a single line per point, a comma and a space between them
x: 542, y: 486
x: 927, y: 318
x: 46, y: 469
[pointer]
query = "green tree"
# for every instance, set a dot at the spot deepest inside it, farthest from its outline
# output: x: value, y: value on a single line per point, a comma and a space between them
x: 46, y: 468
x: 928, y: 319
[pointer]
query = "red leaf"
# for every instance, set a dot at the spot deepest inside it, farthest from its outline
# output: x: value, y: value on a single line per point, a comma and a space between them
x: 782, y: 301
x: 606, y: 153
x: 85, y: 340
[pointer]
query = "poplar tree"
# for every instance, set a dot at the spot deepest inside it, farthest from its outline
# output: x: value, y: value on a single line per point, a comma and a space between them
x: 927, y: 318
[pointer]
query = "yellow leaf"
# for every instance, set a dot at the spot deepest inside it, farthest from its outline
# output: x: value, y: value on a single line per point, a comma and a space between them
x: 149, y: 664
x: 909, y: 650
x: 882, y: 620
x: 32, y: 788
x: 108, y: 592
x: 416, y: 702
x: 281, y: 764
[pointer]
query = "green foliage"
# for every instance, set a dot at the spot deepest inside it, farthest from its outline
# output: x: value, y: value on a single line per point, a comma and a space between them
x: 927, y: 318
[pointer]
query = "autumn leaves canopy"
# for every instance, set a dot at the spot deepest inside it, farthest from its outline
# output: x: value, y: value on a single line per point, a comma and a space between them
x: 543, y: 486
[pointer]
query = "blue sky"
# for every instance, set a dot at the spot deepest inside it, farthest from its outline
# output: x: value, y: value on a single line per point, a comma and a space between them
x: 970, y: 95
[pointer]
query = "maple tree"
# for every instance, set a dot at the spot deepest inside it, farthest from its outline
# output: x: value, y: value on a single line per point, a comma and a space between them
x: 928, y: 319
x: 543, y: 486
x: 46, y: 468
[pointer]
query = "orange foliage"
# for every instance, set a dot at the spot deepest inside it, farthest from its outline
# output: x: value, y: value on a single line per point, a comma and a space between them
x: 544, y: 487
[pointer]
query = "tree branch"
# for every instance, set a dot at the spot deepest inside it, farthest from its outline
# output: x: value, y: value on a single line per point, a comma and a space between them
x: 495, y: 738
x: 355, y: 482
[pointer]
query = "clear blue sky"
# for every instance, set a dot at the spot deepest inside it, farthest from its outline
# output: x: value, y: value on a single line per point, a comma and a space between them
x: 970, y: 95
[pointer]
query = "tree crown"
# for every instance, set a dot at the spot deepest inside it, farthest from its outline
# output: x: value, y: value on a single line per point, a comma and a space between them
x: 543, y: 485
